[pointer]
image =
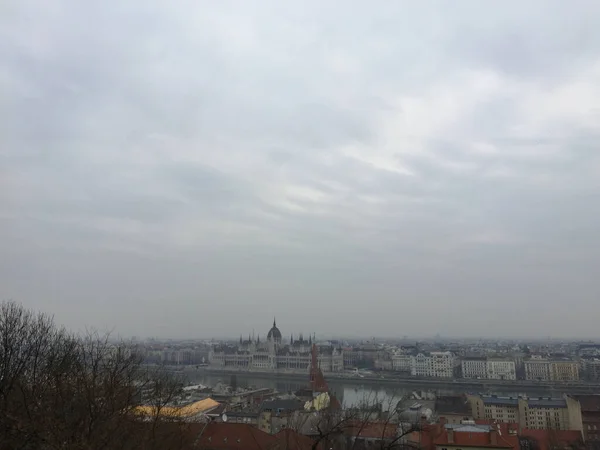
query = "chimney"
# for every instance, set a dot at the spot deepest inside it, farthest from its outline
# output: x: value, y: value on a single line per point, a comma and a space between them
x: 450, y: 436
x: 493, y: 436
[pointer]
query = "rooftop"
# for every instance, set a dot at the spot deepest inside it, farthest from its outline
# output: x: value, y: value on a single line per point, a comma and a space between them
x: 452, y: 404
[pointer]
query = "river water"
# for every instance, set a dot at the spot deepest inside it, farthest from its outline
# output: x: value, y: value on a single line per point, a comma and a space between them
x: 347, y: 393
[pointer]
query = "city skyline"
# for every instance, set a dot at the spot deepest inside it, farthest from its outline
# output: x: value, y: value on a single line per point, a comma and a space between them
x: 388, y: 168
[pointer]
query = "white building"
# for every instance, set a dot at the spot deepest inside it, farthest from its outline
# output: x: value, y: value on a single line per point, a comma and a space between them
x: 434, y: 365
x: 474, y: 368
x: 401, y: 363
x: 273, y: 355
x: 501, y: 369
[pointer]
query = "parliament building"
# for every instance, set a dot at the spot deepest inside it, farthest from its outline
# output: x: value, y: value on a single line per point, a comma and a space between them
x: 275, y: 355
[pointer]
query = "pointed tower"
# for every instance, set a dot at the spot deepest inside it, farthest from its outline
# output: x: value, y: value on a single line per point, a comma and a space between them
x: 310, y: 340
x: 292, y: 339
x: 317, y: 380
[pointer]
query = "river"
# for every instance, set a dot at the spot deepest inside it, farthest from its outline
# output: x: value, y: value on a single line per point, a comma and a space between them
x: 347, y: 393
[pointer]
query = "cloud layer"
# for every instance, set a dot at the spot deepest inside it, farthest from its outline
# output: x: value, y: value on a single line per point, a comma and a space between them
x: 370, y: 168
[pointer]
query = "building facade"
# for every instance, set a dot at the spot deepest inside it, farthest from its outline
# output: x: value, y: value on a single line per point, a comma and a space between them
x: 501, y: 369
x: 402, y: 363
x: 550, y: 370
x: 474, y: 368
x: 433, y: 365
x: 541, y: 413
x: 274, y: 355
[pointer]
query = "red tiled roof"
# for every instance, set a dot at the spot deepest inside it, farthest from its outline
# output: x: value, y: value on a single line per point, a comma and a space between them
x: 437, y: 435
x: 234, y: 436
x: 288, y: 439
x: 547, y: 439
x: 467, y: 439
x: 373, y: 430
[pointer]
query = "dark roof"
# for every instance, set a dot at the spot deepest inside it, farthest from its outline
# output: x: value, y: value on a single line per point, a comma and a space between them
x: 288, y: 439
x: 548, y: 439
x: 531, y: 402
x: 452, y: 404
x: 250, y: 414
x: 589, y: 402
x: 274, y: 332
x: 500, y: 401
x: 281, y: 405
x: 547, y: 403
x: 233, y: 436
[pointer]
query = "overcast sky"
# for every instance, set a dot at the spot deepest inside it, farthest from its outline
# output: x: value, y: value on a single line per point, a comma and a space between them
x: 194, y: 168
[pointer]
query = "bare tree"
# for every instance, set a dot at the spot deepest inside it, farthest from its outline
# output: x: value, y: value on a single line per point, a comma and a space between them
x: 61, y: 391
x: 336, y: 428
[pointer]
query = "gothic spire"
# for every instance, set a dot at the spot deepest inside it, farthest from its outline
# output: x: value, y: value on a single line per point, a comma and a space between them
x: 292, y: 339
x: 274, y: 322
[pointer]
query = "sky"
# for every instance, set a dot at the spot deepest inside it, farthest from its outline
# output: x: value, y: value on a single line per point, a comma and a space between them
x: 383, y: 168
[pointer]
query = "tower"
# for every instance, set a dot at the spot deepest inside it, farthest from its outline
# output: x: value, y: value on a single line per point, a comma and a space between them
x: 317, y: 380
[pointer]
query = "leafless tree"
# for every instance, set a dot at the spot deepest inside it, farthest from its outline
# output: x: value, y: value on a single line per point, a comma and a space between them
x: 344, y: 429
x: 62, y: 391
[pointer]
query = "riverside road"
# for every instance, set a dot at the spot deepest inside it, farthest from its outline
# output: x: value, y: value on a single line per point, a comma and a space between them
x: 389, y: 381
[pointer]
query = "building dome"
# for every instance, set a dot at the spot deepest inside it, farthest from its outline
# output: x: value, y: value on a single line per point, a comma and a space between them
x: 274, y: 333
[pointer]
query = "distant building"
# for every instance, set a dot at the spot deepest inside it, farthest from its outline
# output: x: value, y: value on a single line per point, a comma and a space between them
x: 434, y: 365
x: 590, y: 416
x: 540, y: 369
x: 489, y: 368
x: 474, y: 367
x: 501, y: 369
x: 453, y: 409
x: 274, y: 355
x: 591, y: 368
x: 541, y: 413
x: 402, y: 363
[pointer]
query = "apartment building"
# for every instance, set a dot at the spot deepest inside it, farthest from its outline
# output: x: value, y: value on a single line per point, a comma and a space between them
x: 501, y: 369
x: 402, y: 363
x: 591, y: 368
x: 489, y: 368
x: 475, y: 367
x: 541, y: 413
x: 434, y: 364
x: 551, y: 370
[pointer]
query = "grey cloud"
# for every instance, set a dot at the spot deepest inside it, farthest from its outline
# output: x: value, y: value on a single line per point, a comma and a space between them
x: 221, y: 158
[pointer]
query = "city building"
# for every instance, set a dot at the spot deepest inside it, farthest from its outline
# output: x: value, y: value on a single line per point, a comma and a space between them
x: 591, y: 369
x: 489, y: 368
x: 402, y: 363
x: 540, y: 413
x: 453, y: 409
x: 433, y: 365
x: 474, y: 367
x: 590, y: 416
x: 467, y: 434
x: 501, y: 369
x: 274, y: 355
x: 540, y: 369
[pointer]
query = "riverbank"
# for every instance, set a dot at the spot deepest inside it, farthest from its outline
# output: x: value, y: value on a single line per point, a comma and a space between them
x: 393, y: 380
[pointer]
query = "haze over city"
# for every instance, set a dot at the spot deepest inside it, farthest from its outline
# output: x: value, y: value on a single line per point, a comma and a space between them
x: 352, y: 168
